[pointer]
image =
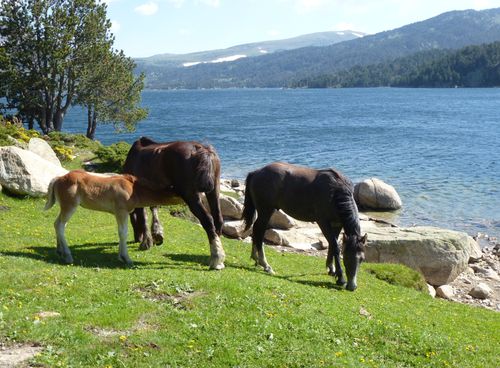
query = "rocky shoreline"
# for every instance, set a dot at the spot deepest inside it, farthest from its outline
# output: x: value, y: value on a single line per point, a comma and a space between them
x: 477, y: 283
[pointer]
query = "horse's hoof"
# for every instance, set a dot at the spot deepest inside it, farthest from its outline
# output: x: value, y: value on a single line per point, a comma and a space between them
x: 217, y: 267
x: 269, y: 270
x: 351, y: 287
x: 341, y: 282
x: 128, y: 262
x: 67, y: 260
x: 158, y: 239
x: 145, y: 245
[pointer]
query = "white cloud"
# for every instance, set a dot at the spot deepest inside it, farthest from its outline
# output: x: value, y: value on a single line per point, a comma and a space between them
x: 211, y: 3
x: 177, y: 3
x: 150, y: 8
x: 115, y: 26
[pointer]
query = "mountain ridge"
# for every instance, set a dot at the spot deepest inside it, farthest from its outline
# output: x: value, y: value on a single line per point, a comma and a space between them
x: 450, y: 30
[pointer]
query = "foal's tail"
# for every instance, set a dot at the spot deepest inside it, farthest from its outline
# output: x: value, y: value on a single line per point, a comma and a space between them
x: 51, y: 195
x: 207, y: 169
x: 248, y: 206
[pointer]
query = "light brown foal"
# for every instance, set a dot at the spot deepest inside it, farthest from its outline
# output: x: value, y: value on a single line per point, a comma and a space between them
x: 116, y: 194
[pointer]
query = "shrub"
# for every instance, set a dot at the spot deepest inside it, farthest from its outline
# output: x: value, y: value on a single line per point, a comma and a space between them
x: 16, y: 130
x: 113, y: 157
x: 396, y: 274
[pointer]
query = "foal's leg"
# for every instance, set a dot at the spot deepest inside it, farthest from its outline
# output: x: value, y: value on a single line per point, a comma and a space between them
x: 217, y: 254
x: 331, y: 234
x: 60, y: 224
x: 156, y: 228
x: 259, y: 228
x: 122, y: 221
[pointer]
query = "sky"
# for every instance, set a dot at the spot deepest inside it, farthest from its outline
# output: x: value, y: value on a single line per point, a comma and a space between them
x: 149, y: 27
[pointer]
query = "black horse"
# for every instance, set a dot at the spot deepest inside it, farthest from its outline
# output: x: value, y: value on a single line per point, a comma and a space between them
x: 324, y: 196
x: 185, y: 169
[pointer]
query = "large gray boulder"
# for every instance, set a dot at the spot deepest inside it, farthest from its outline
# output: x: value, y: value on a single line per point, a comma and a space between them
x: 43, y: 149
x: 24, y: 172
x: 375, y: 194
x: 439, y: 254
x: 280, y: 220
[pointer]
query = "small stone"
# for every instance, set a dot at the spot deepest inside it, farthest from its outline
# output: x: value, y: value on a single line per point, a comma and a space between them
x: 47, y: 314
x: 480, y: 291
x: 235, y: 183
x: 445, y: 292
x: 431, y: 290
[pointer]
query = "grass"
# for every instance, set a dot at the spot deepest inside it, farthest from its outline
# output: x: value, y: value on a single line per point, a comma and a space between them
x: 170, y: 311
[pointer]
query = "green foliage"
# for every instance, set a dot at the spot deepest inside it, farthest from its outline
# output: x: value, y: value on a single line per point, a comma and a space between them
x: 396, y: 274
x: 169, y: 310
x: 14, y: 130
x: 57, y: 53
x: 113, y: 157
x: 73, y: 140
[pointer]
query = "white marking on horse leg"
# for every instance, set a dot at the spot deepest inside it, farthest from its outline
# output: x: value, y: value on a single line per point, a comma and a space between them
x: 122, y: 221
x: 263, y: 262
x: 156, y: 227
x: 60, y: 226
x: 217, y: 254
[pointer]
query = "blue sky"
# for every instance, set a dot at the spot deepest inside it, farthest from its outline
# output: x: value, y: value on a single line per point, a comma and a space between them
x: 148, y: 27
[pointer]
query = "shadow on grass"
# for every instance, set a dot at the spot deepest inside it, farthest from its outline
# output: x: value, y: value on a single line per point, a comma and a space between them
x: 88, y: 255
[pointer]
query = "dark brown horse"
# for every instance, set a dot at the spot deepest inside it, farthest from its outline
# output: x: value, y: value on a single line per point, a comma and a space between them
x: 324, y: 196
x: 186, y: 169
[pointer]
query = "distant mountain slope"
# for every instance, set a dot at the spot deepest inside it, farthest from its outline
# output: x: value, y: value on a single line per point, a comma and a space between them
x: 250, y: 49
x: 450, y: 30
x: 471, y: 66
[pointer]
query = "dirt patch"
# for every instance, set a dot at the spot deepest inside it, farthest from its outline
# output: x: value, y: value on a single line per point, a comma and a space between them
x: 4, y: 208
x: 182, y: 299
x: 14, y: 355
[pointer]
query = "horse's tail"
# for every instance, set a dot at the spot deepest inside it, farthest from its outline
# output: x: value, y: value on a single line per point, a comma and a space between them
x: 207, y: 169
x: 51, y: 195
x: 248, y: 206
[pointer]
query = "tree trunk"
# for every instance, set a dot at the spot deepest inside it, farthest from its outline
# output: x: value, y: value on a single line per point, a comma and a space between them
x: 91, y: 123
x: 58, y: 119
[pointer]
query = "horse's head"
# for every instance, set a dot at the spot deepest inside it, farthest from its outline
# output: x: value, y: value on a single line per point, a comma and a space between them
x: 354, y: 254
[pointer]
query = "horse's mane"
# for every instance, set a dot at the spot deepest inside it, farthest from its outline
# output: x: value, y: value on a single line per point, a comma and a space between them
x: 342, y: 189
x: 145, y: 141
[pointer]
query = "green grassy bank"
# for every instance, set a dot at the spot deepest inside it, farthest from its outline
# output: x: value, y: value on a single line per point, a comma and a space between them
x: 170, y: 311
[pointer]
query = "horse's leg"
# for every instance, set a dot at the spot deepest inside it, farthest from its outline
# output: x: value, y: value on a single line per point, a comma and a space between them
x: 331, y: 234
x: 156, y: 228
x: 60, y: 225
x: 217, y: 254
x: 142, y: 229
x: 122, y: 221
x: 213, y: 202
x: 259, y: 228
x: 138, y: 234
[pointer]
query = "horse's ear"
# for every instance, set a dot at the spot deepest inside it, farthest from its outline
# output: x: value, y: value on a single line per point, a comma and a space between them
x: 344, y: 238
x: 364, y: 238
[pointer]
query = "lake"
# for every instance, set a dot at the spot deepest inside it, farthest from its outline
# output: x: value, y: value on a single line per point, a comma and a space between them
x: 440, y: 148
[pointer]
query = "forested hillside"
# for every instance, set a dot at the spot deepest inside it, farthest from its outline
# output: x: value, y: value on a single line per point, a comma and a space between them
x: 471, y: 66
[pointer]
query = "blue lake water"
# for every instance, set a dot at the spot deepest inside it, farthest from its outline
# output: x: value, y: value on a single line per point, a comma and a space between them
x: 440, y: 148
